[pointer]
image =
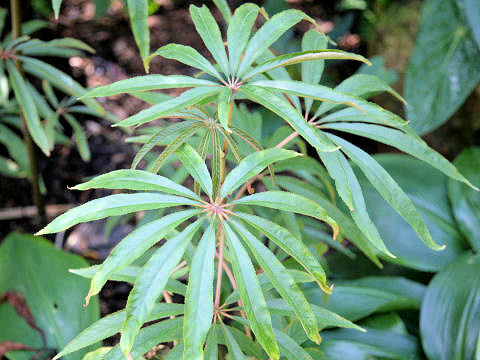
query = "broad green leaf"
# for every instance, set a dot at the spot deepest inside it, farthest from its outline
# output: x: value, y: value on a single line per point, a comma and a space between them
x: 466, y: 201
x: 282, y: 281
x: 291, y: 245
x: 28, y: 265
x: 301, y: 57
x: 323, y: 93
x: 270, y: 32
x: 196, y: 167
x: 209, y: 31
x: 59, y: 79
x: 426, y: 187
x: 361, y: 85
x: 389, y: 189
x: 408, y: 143
x: 112, y: 324
x: 56, y: 7
x: 292, y: 116
x: 80, y: 137
x: 444, y: 43
x: 147, y: 82
x: 138, y: 13
x: 289, y: 348
x: 113, y: 205
x: 289, y: 202
x: 472, y: 12
x: 325, y: 318
x: 312, y: 70
x: 134, y: 245
x: 199, y: 297
x: 239, y: 31
x: 28, y: 108
x: 135, y: 180
x: 233, y: 348
x: 150, y: 283
x: 449, y: 318
x: 252, y: 165
x: 251, y: 294
x: 188, y: 98
x: 150, y: 336
x: 189, y: 56
x: 222, y: 5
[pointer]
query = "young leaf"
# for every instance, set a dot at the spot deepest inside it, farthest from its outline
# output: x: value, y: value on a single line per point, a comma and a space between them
x: 199, y: 297
x: 138, y: 13
x: 196, y: 167
x: 189, y: 56
x: 291, y: 245
x: 270, y: 32
x: 208, y: 30
x: 289, y: 202
x: 147, y: 82
x: 251, y: 294
x: 292, y: 116
x: 118, y: 204
x: 282, y: 281
x: 29, y: 110
x: 188, y: 98
x: 239, y: 31
x: 151, y: 282
x: 252, y: 165
x: 136, y: 180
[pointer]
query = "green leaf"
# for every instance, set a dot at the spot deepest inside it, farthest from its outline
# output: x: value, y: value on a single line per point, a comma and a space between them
x: 472, y: 12
x: 138, y: 13
x: 224, y: 100
x: 252, y: 165
x: 150, y: 283
x: 444, y: 43
x: 56, y: 7
x: 199, y: 297
x: 112, y: 324
x: 189, y: 56
x: 289, y: 348
x: 39, y: 47
x: 196, y: 167
x: 29, y: 110
x: 408, y: 143
x: 113, y: 205
x: 209, y: 31
x: 389, y: 189
x: 59, y: 79
x: 292, y: 116
x: 15, y: 146
x: 188, y: 98
x: 211, y: 345
x: 233, y: 348
x: 291, y: 245
x: 80, y: 137
x: 216, y: 162
x: 361, y: 85
x: 28, y: 265
x: 289, y: 202
x: 466, y: 201
x: 222, y: 5
x: 282, y: 281
x: 251, y: 294
x: 312, y: 70
x: 426, y: 187
x: 134, y: 245
x: 150, y: 336
x: 449, y: 318
x: 135, y: 180
x: 270, y: 32
x: 239, y: 31
x: 147, y: 82
x: 100, y: 353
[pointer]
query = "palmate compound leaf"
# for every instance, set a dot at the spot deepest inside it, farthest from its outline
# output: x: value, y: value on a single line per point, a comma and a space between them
x: 150, y: 283
x: 251, y: 294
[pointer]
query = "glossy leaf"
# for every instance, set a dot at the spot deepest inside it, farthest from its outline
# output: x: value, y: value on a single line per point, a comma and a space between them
x: 196, y: 167
x: 444, y: 43
x: 209, y: 31
x: 150, y: 283
x: 449, y: 318
x: 466, y: 201
x: 251, y: 294
x: 252, y: 165
x: 138, y: 13
x: 199, y: 297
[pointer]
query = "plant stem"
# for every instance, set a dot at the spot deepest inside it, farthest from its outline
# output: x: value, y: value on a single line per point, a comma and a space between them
x: 32, y: 160
x: 220, y: 268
